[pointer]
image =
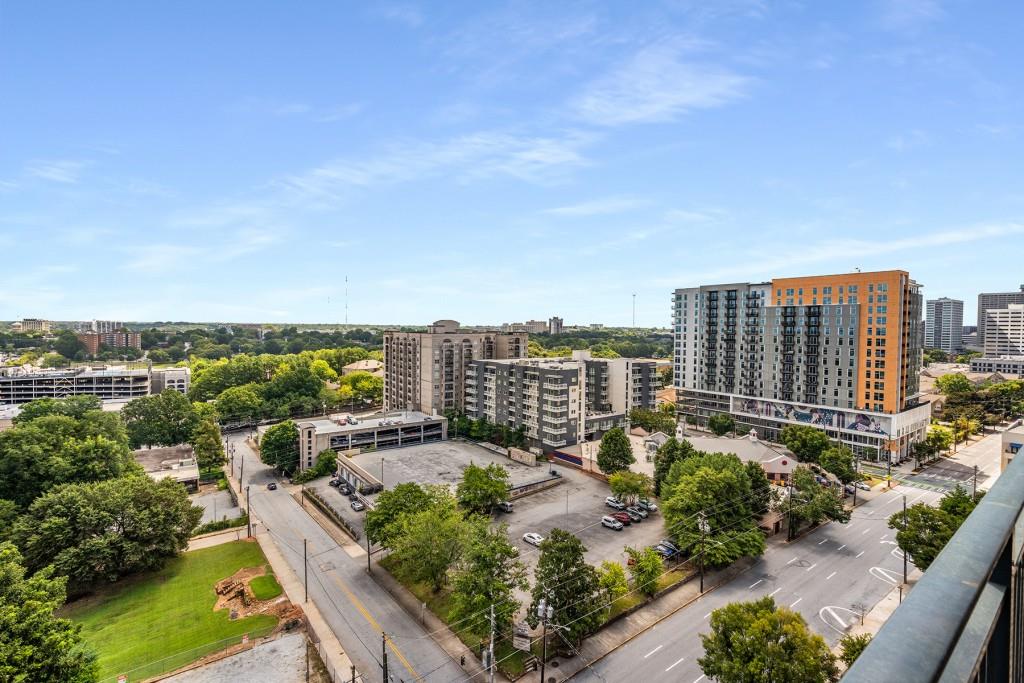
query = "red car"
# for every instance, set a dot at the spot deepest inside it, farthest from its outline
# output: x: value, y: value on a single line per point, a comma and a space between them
x: 622, y: 517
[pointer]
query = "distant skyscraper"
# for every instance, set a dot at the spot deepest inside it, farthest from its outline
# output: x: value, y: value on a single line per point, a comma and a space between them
x: 1004, y: 331
x: 995, y: 300
x: 555, y: 325
x: 944, y: 324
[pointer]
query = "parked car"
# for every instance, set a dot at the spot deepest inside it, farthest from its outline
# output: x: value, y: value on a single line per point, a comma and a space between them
x: 638, y: 510
x: 358, y: 506
x: 533, y: 538
x: 849, y: 489
x: 353, y: 496
x: 669, y: 544
x: 272, y: 486
x: 505, y: 506
x: 611, y: 523
x: 634, y: 515
x: 345, y: 490
x: 663, y: 551
x: 334, y: 482
x: 622, y: 517
x: 648, y: 505
x: 862, y: 486
x: 615, y: 503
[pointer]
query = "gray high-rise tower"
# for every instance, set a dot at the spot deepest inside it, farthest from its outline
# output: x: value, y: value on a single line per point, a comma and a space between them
x: 993, y: 300
x: 944, y: 324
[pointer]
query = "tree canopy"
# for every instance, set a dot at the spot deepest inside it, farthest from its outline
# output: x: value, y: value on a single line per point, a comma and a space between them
x: 615, y: 452
x: 279, y: 447
x: 570, y: 585
x: 757, y: 642
x: 927, y: 529
x: 630, y: 486
x: 813, y: 503
x: 721, y: 424
x: 806, y: 442
x: 670, y: 452
x: 164, y: 419
x: 481, y: 488
x: 839, y: 461
x: 489, y: 573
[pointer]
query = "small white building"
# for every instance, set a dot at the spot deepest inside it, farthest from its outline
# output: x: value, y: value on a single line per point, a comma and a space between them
x: 1012, y: 443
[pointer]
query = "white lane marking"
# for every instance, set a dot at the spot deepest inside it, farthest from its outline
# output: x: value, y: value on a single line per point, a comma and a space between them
x: 823, y: 541
x: 811, y: 567
x: 707, y: 615
x: 916, y: 499
x: 886, y: 575
x: 678, y: 661
x: 653, y: 651
x: 774, y: 592
x: 793, y: 604
x: 870, y: 512
x: 830, y: 576
x: 759, y: 581
x: 864, y: 532
x: 791, y: 561
x: 859, y: 554
x: 699, y: 679
x: 840, y: 547
x: 885, y: 536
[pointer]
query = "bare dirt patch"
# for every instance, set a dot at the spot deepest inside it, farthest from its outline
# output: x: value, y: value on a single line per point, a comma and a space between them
x: 235, y: 595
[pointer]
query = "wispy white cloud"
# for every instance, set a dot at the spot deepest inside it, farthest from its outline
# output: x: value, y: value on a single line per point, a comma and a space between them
x: 599, y: 207
x: 58, y: 171
x: 841, y: 251
x: 469, y: 157
x: 658, y: 84
x: 403, y: 13
x: 909, y: 15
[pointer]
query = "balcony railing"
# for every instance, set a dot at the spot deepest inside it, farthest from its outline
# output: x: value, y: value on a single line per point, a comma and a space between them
x: 963, y: 620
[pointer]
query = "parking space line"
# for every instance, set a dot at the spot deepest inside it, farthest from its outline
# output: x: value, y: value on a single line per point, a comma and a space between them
x: 699, y: 679
x: 793, y: 604
x: 653, y: 651
x: 753, y: 585
x: 811, y: 567
x: 864, y: 532
x: 859, y: 554
x: 830, y: 576
x: 824, y: 540
x: 707, y: 615
x: 884, y: 536
x: 774, y: 592
x: 673, y: 665
x: 791, y: 561
x: 840, y: 547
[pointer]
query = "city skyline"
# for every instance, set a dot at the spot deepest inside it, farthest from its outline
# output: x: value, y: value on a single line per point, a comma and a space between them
x: 195, y: 164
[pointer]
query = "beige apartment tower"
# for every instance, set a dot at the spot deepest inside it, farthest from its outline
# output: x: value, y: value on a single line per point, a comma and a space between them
x: 426, y: 371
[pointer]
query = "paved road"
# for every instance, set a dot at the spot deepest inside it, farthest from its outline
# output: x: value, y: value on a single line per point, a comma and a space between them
x: 828, y: 576
x: 945, y: 474
x: 354, y: 606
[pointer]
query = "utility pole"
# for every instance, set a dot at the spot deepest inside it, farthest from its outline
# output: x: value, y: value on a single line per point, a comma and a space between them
x: 789, y: 514
x: 974, y: 490
x: 368, y: 569
x: 305, y: 571
x: 545, y: 612
x: 384, y: 650
x: 856, y: 479
x: 490, y: 649
x: 241, y: 472
x: 382, y: 471
x: 904, y: 552
x: 248, y: 510
x: 702, y: 522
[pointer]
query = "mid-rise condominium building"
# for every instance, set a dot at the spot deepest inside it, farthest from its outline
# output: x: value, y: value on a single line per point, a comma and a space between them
x: 426, y: 371
x: 555, y: 325
x: 840, y: 352
x: 560, y: 401
x: 944, y: 324
x: 1004, y: 331
x: 998, y: 300
x: 115, y: 340
x: 35, y: 325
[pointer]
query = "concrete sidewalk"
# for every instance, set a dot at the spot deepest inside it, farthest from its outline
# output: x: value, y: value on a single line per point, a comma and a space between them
x: 625, y: 629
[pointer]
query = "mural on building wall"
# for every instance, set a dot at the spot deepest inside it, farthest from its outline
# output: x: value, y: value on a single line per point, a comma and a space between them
x: 819, y: 416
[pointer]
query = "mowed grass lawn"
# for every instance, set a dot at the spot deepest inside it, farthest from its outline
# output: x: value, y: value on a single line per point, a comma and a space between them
x: 149, y: 624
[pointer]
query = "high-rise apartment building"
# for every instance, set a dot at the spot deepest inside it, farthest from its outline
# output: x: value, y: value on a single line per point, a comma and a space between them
x: 840, y: 352
x: 988, y: 301
x: 1004, y: 331
x: 555, y: 325
x: 115, y: 340
x: 560, y: 401
x: 944, y: 324
x: 426, y: 371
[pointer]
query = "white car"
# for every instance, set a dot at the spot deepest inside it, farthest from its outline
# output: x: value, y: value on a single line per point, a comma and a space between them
x: 862, y: 486
x: 614, y: 503
x: 611, y: 523
x: 533, y: 538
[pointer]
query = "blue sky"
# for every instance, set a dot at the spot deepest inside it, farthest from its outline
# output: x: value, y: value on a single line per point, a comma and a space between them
x: 491, y: 162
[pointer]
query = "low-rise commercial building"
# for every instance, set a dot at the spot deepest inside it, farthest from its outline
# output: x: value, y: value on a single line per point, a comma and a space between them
x: 345, y: 432
x: 370, y: 365
x: 26, y: 383
x: 174, y: 462
x: 1010, y: 367
x: 178, y: 379
x: 1012, y: 443
x: 560, y: 401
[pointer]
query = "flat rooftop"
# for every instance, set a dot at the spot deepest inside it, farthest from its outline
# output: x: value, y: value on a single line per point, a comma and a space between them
x: 336, y: 424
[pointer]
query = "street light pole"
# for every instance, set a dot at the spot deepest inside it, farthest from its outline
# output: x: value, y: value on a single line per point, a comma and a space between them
x: 904, y: 526
x: 702, y: 522
x: 305, y: 572
x: 248, y: 511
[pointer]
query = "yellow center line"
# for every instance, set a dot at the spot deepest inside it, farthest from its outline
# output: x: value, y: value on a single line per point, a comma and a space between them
x: 373, y: 622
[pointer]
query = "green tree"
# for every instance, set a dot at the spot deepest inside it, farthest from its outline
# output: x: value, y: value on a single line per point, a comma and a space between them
x: 670, y: 452
x: 489, y: 573
x: 807, y: 443
x: 953, y: 383
x: 838, y: 460
x: 326, y: 463
x: 629, y: 486
x: 851, y: 646
x: 653, y: 420
x: 279, y: 447
x: 611, y: 578
x: 240, y: 403
x: 757, y: 642
x: 391, y: 505
x: 646, y: 567
x: 68, y: 345
x: 430, y: 542
x: 721, y: 424
x: 104, y: 530
x: 760, y: 488
x: 164, y: 419
x: 926, y: 529
x: 207, y: 446
x: 940, y: 438
x: 481, y: 488
x: 813, y: 503
x: 615, y: 452
x: 568, y: 583
x: 717, y: 486
x: 73, y: 406
x: 35, y: 644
